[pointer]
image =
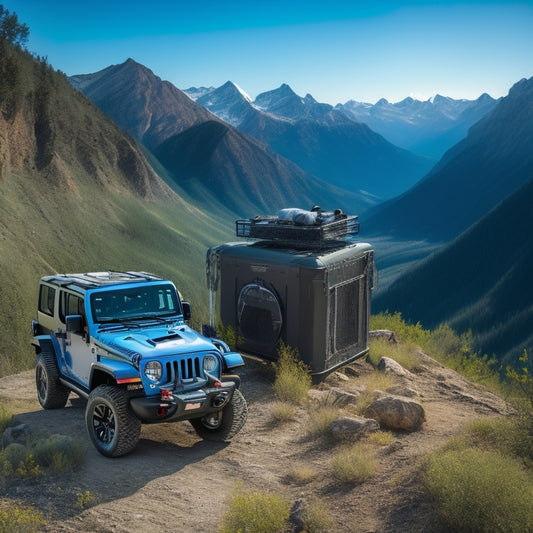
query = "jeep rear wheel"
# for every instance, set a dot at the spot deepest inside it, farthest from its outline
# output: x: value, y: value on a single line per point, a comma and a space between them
x: 112, y: 426
x: 50, y: 393
x: 223, y: 425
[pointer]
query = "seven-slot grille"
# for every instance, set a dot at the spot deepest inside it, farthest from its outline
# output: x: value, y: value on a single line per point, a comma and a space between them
x: 187, y: 368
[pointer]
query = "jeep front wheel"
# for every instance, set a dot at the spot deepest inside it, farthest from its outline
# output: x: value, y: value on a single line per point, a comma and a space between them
x: 223, y: 425
x: 50, y: 393
x: 112, y: 426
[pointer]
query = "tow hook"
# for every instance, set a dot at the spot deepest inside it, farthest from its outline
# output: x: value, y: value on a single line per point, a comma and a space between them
x: 220, y: 399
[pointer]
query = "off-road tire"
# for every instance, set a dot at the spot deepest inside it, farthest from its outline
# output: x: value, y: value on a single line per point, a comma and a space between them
x: 50, y: 392
x: 113, y: 428
x: 223, y: 425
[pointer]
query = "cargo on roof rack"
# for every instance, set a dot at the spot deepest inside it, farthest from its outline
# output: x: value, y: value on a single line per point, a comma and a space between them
x: 297, y: 226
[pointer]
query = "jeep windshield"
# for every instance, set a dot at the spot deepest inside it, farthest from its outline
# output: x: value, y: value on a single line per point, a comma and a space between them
x: 153, y: 302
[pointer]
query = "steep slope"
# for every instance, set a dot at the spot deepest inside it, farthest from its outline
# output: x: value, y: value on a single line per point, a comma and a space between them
x: 217, y: 162
x: 430, y: 127
x: 481, y: 281
x: 149, y: 109
x: 76, y: 194
x: 321, y: 140
x: 475, y: 175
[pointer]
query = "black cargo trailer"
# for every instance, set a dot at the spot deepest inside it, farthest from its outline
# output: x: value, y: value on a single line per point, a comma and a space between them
x: 313, y: 296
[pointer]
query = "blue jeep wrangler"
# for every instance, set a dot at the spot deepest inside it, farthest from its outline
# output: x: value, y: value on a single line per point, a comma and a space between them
x: 120, y: 340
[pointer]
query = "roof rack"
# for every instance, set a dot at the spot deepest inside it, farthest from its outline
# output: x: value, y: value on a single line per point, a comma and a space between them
x: 317, y: 234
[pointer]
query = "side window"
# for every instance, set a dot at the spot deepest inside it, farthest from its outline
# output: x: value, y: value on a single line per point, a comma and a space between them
x: 70, y: 304
x: 47, y: 297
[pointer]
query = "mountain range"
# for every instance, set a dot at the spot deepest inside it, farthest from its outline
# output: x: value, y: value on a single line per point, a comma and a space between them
x: 216, y: 162
x: 428, y: 127
x: 322, y: 140
x: 493, y: 161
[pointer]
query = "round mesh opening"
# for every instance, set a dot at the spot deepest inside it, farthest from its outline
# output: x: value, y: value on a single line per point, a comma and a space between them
x: 259, y: 315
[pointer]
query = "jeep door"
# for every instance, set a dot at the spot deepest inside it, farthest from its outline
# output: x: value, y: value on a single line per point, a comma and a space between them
x: 76, y: 350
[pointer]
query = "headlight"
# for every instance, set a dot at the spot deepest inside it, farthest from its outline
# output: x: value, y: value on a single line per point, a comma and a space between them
x: 210, y: 363
x: 153, y: 370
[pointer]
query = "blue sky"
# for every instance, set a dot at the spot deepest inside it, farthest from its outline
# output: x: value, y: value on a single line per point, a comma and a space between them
x: 334, y: 50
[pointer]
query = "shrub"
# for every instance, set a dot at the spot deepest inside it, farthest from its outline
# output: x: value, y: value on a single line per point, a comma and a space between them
x: 282, y: 412
x: 320, y: 420
x: 6, y: 419
x: 480, y: 491
x: 301, y: 474
x: 413, y: 334
x: 14, y: 454
x: 86, y: 499
x: 317, y: 517
x: 381, y: 438
x: 256, y: 512
x: 523, y: 377
x: 509, y: 436
x: 404, y: 354
x: 292, y: 376
x: 354, y: 465
x: 19, y: 518
x: 60, y: 452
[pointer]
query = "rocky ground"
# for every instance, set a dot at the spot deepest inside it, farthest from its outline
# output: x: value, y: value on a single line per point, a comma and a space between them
x: 173, y: 481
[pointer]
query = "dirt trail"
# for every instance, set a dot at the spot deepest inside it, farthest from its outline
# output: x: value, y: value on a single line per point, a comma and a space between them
x: 175, y: 481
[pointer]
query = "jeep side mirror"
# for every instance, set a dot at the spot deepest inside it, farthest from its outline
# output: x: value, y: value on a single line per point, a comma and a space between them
x: 73, y: 322
x: 186, y: 306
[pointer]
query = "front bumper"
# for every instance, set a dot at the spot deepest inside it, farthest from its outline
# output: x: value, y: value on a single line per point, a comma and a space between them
x: 182, y: 406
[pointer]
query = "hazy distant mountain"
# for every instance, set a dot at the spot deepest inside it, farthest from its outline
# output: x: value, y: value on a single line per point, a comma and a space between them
x: 494, y: 160
x: 228, y: 168
x: 480, y: 282
x: 321, y: 140
x: 148, y: 108
x: 214, y: 164
x: 426, y: 127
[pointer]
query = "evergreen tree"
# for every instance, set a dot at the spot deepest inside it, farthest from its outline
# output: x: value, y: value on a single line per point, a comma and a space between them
x: 11, y: 29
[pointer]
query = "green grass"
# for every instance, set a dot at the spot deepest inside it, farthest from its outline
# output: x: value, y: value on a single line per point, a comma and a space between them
x: 6, y: 419
x: 256, y: 512
x: 320, y: 420
x: 476, y: 490
x: 354, y: 465
x: 18, y: 518
x: 301, y: 474
x: 404, y: 354
x: 292, y: 376
x: 317, y: 516
x: 282, y: 412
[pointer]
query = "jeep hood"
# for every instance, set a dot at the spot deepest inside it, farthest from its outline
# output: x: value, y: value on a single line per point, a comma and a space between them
x: 154, y: 341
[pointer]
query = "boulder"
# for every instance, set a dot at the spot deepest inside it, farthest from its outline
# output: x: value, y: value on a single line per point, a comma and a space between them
x: 352, y: 428
x: 383, y: 334
x: 390, y: 366
x: 334, y: 396
x: 19, y: 434
x: 394, y: 412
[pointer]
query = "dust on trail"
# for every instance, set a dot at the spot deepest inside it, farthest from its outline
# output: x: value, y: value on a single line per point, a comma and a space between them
x: 175, y: 481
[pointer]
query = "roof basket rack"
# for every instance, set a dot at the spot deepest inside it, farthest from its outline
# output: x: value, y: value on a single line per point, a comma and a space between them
x: 298, y: 227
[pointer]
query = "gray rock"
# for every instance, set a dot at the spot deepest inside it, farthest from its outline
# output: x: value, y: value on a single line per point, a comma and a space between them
x: 393, y: 412
x: 19, y: 434
x: 352, y: 428
x: 383, y: 334
x: 390, y: 366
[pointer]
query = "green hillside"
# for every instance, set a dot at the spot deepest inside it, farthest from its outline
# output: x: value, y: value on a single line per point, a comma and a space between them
x: 76, y: 194
x: 479, y: 282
